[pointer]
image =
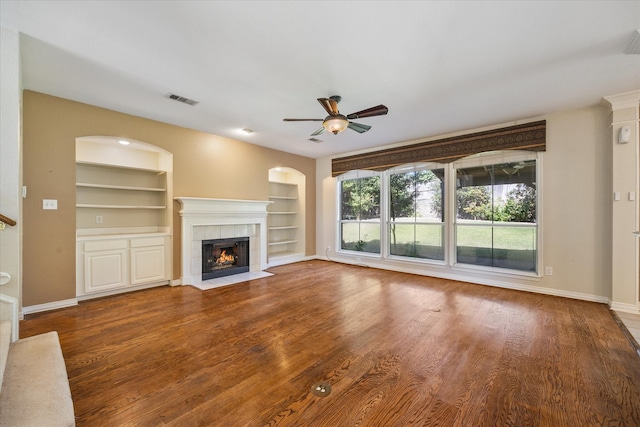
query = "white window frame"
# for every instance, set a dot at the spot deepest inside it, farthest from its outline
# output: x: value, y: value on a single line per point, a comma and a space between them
x: 492, y: 158
x: 338, y: 238
x: 487, y: 158
x: 386, y: 220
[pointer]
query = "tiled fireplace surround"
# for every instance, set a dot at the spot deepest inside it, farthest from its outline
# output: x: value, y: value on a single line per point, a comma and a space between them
x: 203, y: 219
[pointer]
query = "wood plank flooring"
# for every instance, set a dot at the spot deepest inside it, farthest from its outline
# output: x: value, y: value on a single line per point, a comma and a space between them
x: 396, y: 349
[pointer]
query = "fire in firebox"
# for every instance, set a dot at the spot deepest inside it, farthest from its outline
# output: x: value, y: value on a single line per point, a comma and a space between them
x: 222, y: 257
x: 225, y: 259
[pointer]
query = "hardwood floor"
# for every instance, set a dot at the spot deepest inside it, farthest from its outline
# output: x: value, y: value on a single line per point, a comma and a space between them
x: 396, y: 349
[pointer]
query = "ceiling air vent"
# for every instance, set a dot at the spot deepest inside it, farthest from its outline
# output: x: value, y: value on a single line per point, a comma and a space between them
x: 634, y: 44
x: 181, y: 99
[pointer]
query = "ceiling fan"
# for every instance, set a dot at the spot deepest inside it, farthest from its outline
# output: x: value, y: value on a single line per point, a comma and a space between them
x: 336, y: 122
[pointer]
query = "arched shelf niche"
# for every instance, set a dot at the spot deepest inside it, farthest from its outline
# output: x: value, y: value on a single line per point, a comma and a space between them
x: 122, y: 186
x: 124, y: 194
x: 286, y: 218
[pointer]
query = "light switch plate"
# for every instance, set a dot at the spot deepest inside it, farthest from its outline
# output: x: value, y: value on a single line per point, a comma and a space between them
x: 49, y: 204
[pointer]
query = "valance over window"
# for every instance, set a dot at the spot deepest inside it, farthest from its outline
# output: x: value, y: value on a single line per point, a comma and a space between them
x: 529, y: 136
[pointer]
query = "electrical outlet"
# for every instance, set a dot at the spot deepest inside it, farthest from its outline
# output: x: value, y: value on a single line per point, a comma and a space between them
x: 98, y: 219
x: 548, y: 271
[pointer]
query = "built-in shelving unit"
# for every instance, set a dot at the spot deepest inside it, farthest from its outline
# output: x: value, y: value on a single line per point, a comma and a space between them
x: 123, y: 216
x: 286, y: 218
x: 100, y: 186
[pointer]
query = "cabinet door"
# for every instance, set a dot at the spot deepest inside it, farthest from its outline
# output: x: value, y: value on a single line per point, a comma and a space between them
x: 148, y: 264
x: 105, y: 270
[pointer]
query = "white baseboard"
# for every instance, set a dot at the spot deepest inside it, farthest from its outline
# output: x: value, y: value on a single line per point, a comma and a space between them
x: 285, y: 259
x: 625, y: 308
x: 49, y: 306
x: 122, y: 290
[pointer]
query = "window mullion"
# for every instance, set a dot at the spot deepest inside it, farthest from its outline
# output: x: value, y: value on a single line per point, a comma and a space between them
x: 385, y: 214
x: 450, y: 204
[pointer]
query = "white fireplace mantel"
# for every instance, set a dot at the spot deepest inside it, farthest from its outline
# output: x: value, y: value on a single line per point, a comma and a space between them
x: 204, y: 218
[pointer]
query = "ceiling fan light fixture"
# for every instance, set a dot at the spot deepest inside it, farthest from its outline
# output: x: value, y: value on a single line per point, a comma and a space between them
x: 335, y: 124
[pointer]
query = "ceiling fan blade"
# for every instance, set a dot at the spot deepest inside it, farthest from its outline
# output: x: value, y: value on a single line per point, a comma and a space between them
x: 360, y: 128
x: 330, y: 106
x: 318, y: 132
x: 302, y: 120
x: 379, y: 110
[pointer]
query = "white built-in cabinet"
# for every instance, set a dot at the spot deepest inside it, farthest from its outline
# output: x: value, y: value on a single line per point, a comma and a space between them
x: 105, y: 265
x: 148, y: 259
x: 112, y: 263
x: 285, y: 220
x: 123, y: 216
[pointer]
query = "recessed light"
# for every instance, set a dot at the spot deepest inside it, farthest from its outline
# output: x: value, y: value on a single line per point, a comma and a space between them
x: 123, y: 142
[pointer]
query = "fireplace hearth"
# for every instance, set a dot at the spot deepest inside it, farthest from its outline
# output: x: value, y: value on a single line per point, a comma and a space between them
x: 224, y: 257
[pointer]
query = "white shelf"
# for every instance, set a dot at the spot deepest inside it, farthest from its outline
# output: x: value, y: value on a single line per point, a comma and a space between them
x: 283, y: 198
x: 115, y: 196
x: 284, y: 242
x: 110, y: 166
x: 118, y: 187
x: 82, y: 205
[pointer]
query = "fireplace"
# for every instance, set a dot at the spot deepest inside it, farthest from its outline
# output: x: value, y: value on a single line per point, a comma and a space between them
x: 207, y: 219
x: 224, y: 257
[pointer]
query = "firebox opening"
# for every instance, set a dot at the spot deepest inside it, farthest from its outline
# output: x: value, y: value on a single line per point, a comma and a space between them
x: 224, y: 257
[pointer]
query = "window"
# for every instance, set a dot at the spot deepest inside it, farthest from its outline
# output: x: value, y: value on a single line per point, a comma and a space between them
x: 495, y: 215
x: 477, y: 212
x: 416, y: 213
x: 360, y: 213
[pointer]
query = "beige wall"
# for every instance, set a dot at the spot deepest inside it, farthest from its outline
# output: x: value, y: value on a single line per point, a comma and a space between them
x: 204, y: 165
x: 576, y: 212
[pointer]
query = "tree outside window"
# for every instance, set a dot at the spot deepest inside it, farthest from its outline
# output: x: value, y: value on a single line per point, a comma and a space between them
x: 360, y: 214
x: 496, y: 215
x: 490, y: 221
x: 416, y: 223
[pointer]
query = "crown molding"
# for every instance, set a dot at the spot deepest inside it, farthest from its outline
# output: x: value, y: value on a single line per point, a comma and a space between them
x: 623, y: 100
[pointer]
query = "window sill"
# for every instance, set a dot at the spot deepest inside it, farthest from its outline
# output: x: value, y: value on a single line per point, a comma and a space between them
x: 416, y: 261
x: 358, y: 254
x: 494, y: 271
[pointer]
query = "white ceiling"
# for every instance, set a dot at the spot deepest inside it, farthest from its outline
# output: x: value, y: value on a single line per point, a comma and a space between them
x: 439, y: 66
